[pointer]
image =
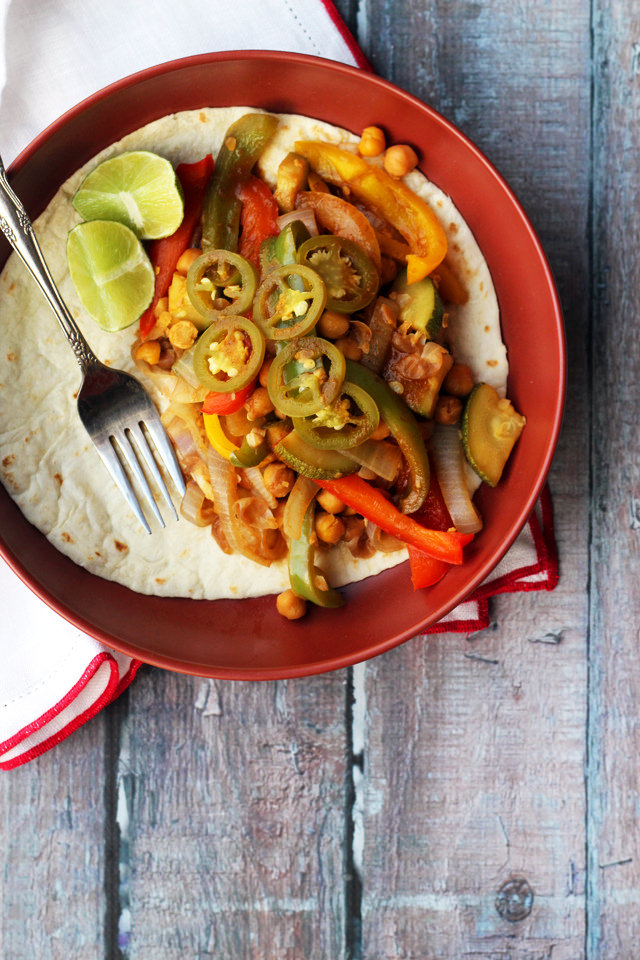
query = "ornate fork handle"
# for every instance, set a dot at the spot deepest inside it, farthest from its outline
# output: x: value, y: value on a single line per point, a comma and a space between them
x: 18, y: 229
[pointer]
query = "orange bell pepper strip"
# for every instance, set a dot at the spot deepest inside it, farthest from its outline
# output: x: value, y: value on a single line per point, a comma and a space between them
x: 372, y: 504
x: 165, y: 253
x: 391, y: 199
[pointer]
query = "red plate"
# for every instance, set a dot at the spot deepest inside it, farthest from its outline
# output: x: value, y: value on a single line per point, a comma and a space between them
x: 247, y: 639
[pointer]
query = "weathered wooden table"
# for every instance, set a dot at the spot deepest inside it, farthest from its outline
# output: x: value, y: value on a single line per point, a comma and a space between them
x: 379, y: 812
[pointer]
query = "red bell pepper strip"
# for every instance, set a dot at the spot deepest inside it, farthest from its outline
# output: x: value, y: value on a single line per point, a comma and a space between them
x: 165, y: 253
x: 426, y: 570
x: 221, y: 403
x: 372, y: 504
x: 258, y: 218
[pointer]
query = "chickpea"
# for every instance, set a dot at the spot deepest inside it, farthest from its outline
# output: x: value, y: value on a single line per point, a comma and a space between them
x: 329, y: 528
x: 448, y: 410
x: 372, y: 142
x: 259, y: 404
x: 332, y: 325
x: 264, y: 371
x: 380, y: 432
x: 186, y: 259
x: 149, y: 352
x: 290, y: 606
x: 279, y: 478
x: 399, y: 160
x: 329, y: 502
x: 459, y: 381
x: 182, y: 334
x: 350, y: 348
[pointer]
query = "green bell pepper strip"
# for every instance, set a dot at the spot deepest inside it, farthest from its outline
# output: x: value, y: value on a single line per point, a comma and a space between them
x: 349, y: 428
x: 215, y: 272
x: 293, y: 383
x: 349, y: 274
x: 243, y: 144
x: 242, y: 355
x: 404, y: 429
x: 289, y: 302
x: 248, y: 456
x: 303, y: 572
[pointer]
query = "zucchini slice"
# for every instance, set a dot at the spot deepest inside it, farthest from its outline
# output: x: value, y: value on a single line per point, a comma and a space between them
x: 420, y: 305
x: 490, y: 428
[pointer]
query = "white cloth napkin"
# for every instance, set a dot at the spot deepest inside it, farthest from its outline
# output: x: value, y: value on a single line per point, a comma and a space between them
x: 54, y: 53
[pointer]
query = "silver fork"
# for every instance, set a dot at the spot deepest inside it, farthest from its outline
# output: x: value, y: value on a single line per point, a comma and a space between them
x: 114, y: 407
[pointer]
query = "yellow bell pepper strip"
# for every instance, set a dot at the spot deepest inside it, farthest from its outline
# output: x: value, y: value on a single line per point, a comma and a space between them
x: 389, y: 198
x: 243, y: 143
x: 373, y: 505
x: 303, y: 573
x: 217, y: 437
x: 404, y: 428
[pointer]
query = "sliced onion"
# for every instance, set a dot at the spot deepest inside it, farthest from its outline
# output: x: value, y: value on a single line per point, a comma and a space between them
x: 224, y: 482
x: 237, y: 424
x: 381, y: 540
x: 253, y: 512
x: 218, y: 535
x: 302, y: 493
x: 253, y: 480
x: 384, y: 459
x: 195, y: 507
x: 356, y: 538
x: 448, y: 459
x: 306, y: 216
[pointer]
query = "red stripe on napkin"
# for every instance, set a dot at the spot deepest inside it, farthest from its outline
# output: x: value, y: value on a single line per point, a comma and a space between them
x: 112, y: 690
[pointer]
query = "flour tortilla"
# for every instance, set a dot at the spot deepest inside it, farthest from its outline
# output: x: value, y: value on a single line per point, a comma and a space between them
x: 52, y: 470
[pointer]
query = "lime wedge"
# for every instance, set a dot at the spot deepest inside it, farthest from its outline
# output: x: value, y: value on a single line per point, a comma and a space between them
x: 138, y: 189
x: 111, y: 272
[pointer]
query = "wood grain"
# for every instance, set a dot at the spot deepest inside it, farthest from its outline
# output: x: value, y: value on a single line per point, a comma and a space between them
x: 53, y: 850
x: 232, y: 809
x: 614, y: 653
x: 474, y: 768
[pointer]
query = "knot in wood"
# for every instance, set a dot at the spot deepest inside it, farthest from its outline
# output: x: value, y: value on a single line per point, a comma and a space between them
x: 514, y: 899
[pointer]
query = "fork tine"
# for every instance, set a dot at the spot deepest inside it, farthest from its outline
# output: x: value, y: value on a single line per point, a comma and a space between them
x: 128, y: 453
x: 166, y: 452
x: 113, y: 465
x: 142, y: 447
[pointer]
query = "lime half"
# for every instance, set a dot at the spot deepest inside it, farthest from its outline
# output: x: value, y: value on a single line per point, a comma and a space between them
x: 111, y: 272
x: 138, y: 189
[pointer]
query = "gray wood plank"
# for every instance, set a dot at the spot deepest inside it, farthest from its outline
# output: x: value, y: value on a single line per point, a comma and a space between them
x: 52, y: 846
x: 232, y: 816
x: 614, y: 733
x: 474, y: 770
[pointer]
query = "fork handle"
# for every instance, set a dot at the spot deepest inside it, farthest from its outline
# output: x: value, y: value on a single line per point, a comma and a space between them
x: 18, y: 229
